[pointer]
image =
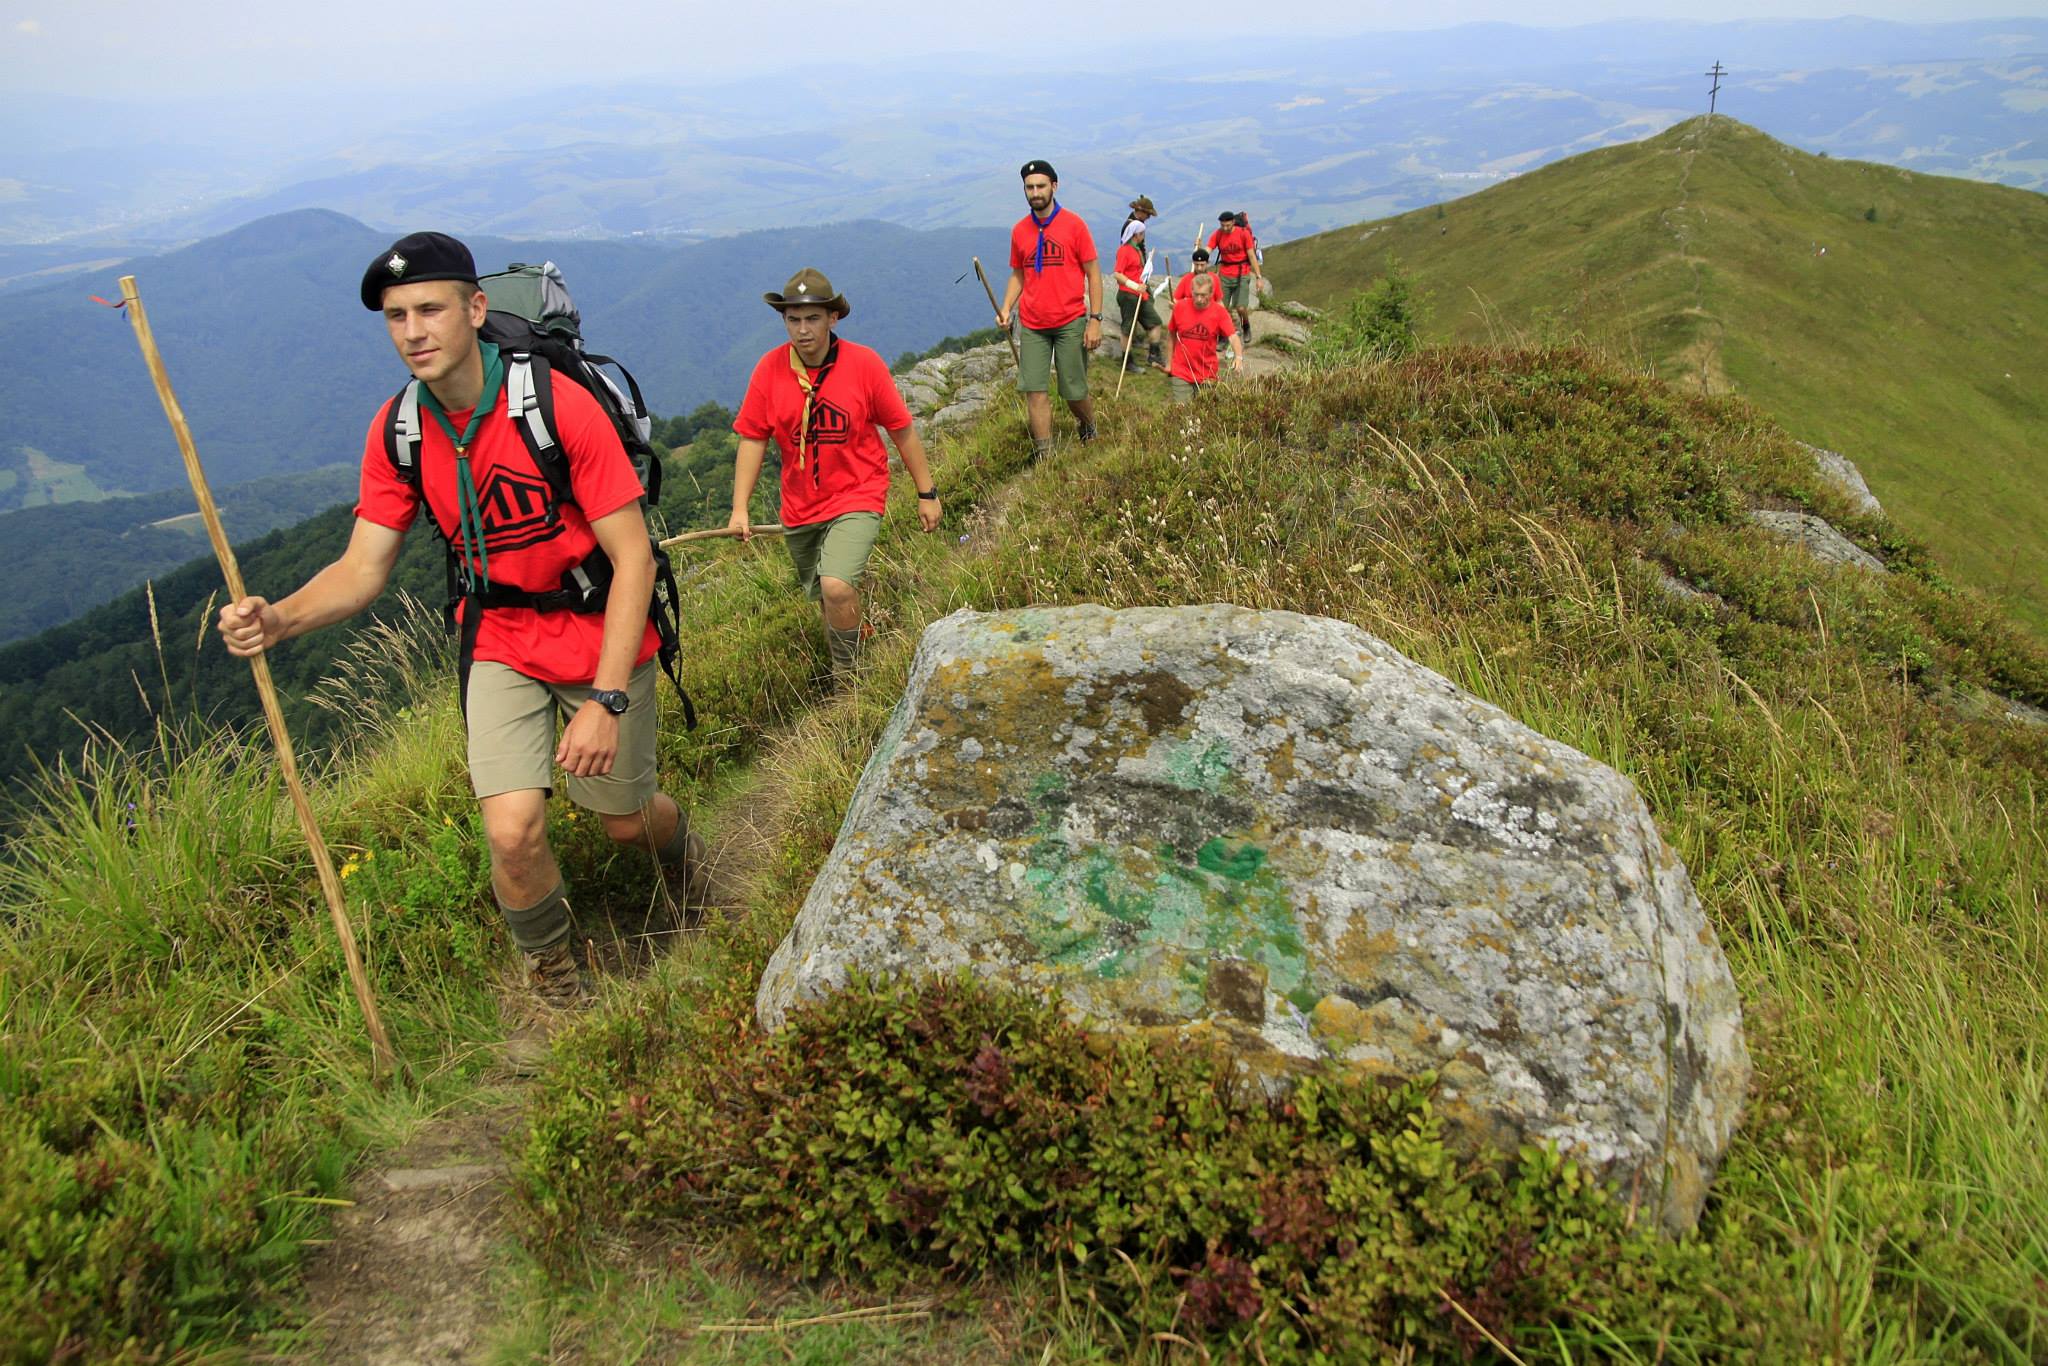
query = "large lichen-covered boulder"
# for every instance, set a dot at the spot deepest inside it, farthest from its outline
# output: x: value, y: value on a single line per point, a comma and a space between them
x: 1278, y: 831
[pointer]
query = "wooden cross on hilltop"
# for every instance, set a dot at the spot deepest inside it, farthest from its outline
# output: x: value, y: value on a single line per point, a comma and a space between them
x: 1713, y: 95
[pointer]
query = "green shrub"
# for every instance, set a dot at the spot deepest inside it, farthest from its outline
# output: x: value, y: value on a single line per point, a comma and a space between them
x: 1376, y: 324
x: 892, y: 1130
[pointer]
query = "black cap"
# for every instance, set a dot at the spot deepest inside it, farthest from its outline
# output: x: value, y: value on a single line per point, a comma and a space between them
x: 1227, y: 216
x: 415, y: 257
x: 1039, y: 166
x: 1201, y: 253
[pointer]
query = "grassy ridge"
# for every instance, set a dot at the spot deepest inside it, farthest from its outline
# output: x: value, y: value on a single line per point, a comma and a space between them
x: 1909, y: 346
x: 1873, y: 859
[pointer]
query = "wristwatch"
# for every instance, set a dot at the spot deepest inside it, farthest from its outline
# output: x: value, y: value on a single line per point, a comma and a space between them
x: 930, y: 495
x: 1096, y: 316
x: 613, y: 700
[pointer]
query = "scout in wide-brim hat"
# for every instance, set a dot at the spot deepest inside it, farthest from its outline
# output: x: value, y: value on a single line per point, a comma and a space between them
x: 1143, y: 204
x: 809, y: 286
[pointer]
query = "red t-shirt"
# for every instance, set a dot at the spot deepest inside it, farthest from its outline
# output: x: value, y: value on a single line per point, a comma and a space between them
x: 531, y: 540
x: 1232, y: 248
x: 845, y: 467
x: 1196, y: 333
x: 1130, y: 263
x: 1058, y: 294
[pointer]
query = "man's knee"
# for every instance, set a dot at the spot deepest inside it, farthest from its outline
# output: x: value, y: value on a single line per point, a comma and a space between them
x: 516, y: 829
x: 837, y: 593
x: 627, y: 828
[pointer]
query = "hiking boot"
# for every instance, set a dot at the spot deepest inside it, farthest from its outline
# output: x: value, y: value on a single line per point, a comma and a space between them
x: 688, y: 883
x: 1087, y: 434
x: 1154, y: 358
x: 554, y: 977
x: 1246, y: 330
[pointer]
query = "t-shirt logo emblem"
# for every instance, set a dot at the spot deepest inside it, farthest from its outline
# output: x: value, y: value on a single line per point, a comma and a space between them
x: 830, y: 425
x: 396, y: 265
x: 1055, y: 253
x: 518, y: 511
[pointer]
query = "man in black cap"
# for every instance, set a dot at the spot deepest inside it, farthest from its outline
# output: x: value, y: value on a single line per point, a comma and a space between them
x: 1233, y: 244
x: 1055, y: 290
x: 529, y: 656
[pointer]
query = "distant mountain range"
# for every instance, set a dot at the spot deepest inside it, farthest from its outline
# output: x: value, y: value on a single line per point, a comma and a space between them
x: 1897, y: 318
x: 280, y: 369
x: 1305, y: 135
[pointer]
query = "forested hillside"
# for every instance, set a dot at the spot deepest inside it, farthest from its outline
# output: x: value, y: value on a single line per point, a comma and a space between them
x: 123, y: 666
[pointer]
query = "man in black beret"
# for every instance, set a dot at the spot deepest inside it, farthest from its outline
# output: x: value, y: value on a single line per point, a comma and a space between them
x: 1055, y: 290
x: 532, y: 655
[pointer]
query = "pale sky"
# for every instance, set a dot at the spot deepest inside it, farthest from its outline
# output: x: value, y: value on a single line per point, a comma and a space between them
x: 148, y: 48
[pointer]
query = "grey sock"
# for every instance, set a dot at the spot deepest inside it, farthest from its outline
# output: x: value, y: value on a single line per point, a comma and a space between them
x: 845, y: 646
x: 1041, y: 447
x: 541, y: 925
x: 675, y: 852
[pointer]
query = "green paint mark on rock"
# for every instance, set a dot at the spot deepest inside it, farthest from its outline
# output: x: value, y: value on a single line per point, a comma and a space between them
x: 1236, y: 862
x: 1200, y: 765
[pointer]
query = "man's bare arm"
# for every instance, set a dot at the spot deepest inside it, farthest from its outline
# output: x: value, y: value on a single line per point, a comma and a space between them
x: 339, y: 591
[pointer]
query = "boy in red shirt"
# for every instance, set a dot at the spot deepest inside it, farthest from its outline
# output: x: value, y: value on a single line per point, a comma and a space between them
x: 1234, y: 246
x: 821, y: 399
x: 484, y: 491
x: 1055, y: 290
x: 1198, y: 323
x: 1133, y: 299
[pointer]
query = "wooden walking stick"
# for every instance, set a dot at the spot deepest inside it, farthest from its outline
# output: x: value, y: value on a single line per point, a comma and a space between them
x: 1009, y: 335
x: 383, y: 1059
x: 772, y: 529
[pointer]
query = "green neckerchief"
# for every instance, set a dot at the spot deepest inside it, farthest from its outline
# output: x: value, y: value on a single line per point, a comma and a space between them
x: 468, y: 509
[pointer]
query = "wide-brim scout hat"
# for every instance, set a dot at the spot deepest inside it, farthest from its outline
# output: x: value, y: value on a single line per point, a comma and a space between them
x: 1143, y: 204
x: 415, y: 257
x: 809, y: 286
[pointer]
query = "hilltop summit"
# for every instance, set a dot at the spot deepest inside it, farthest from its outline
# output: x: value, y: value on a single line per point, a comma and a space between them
x: 1891, y: 316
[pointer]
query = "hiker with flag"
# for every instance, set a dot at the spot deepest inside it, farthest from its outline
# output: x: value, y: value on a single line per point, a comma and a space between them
x: 1055, y: 291
x: 1134, y: 297
x: 1199, y: 323
x: 1233, y: 244
x: 554, y: 601
x: 820, y: 399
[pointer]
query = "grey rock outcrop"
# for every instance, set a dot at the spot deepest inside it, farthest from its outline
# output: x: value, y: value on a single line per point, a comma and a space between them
x: 1841, y: 471
x: 1819, y: 536
x: 1276, y: 831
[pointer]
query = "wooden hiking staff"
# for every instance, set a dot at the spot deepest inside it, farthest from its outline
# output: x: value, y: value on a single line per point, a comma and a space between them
x: 383, y: 1060
x: 772, y: 529
x: 1009, y: 334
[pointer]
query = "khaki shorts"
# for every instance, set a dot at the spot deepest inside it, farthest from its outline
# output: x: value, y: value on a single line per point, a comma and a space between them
x: 1238, y: 293
x: 1041, y: 351
x: 1184, y: 390
x: 512, y: 738
x: 837, y: 549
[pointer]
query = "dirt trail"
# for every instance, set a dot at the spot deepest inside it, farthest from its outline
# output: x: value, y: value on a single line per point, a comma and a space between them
x: 407, y: 1279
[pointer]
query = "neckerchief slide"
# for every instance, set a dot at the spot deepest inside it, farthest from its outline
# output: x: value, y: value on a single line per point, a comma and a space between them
x: 468, y: 510
x: 811, y: 388
x: 1038, y: 261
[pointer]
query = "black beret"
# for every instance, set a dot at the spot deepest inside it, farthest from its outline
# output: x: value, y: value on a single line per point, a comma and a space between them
x: 1038, y: 166
x: 1226, y: 217
x: 415, y: 257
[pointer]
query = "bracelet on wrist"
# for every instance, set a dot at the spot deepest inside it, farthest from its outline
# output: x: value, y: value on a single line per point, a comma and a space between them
x: 931, y: 495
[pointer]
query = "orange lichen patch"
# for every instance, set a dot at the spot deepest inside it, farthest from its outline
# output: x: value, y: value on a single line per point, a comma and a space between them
x: 1280, y: 764
x: 1361, y: 954
x: 1339, y: 1024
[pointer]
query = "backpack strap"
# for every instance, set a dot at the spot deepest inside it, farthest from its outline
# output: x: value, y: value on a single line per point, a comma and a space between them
x: 402, y: 433
x: 530, y: 403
